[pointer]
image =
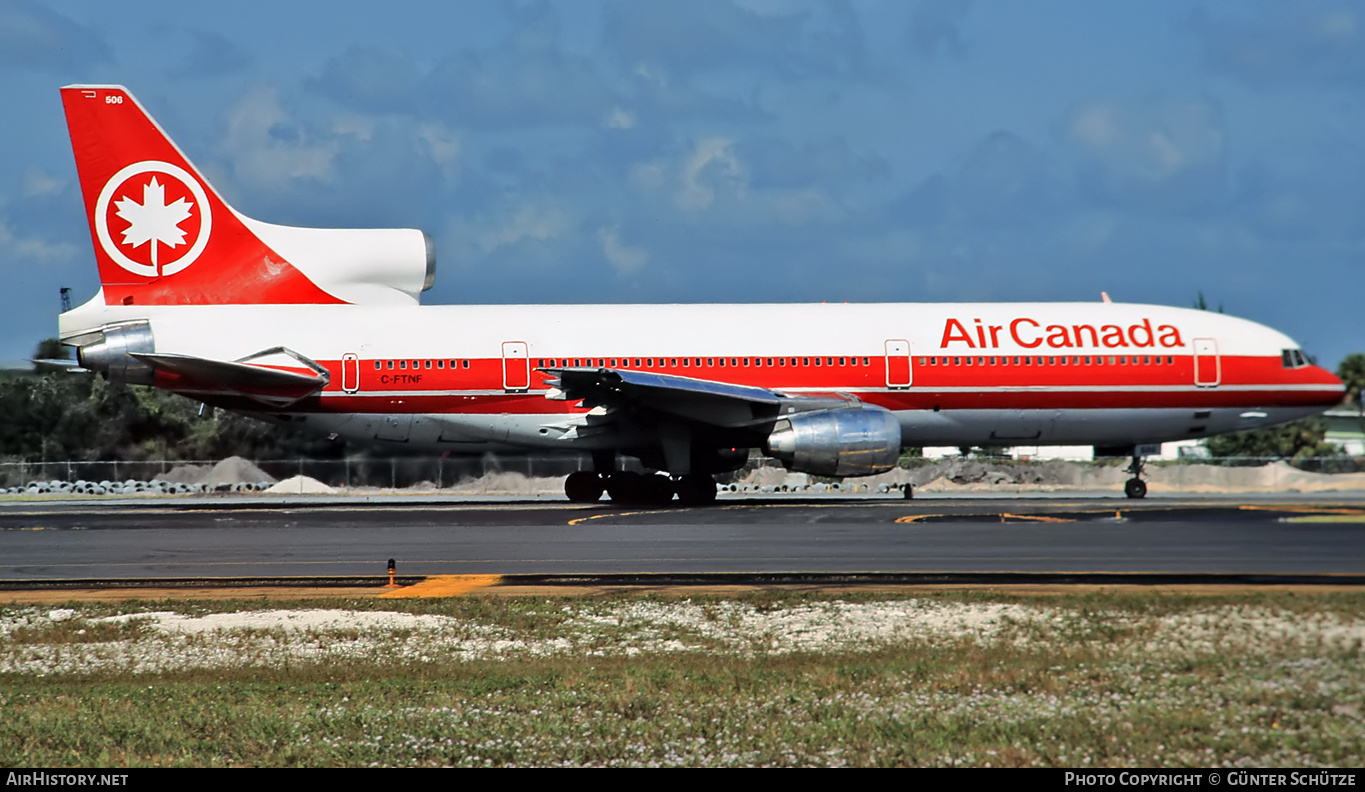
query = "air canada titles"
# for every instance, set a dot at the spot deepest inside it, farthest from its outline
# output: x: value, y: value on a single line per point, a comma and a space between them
x: 1031, y: 334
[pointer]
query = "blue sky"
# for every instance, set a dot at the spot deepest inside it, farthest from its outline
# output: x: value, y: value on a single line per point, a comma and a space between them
x: 740, y: 150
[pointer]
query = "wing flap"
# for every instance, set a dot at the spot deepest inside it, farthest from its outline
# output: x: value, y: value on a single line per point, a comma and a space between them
x: 721, y: 404
x: 582, y: 382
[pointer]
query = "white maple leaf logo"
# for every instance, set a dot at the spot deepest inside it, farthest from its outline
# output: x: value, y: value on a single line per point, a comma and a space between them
x: 153, y: 220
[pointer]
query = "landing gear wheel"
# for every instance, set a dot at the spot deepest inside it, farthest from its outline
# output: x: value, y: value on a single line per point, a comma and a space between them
x: 583, y: 487
x: 625, y: 487
x: 656, y: 490
x: 697, y: 490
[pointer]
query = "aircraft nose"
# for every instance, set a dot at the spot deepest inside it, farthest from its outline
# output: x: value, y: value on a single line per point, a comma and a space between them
x: 1329, y: 379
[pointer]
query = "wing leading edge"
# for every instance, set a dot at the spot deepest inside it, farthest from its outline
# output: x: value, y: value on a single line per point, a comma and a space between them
x: 718, y: 404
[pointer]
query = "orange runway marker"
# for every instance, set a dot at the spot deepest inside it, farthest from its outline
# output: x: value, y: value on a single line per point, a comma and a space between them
x: 444, y: 586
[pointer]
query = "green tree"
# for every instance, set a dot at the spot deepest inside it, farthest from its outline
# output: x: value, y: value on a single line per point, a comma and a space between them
x: 52, y: 349
x: 1352, y: 373
x: 64, y: 415
x: 1292, y: 441
x: 1201, y: 305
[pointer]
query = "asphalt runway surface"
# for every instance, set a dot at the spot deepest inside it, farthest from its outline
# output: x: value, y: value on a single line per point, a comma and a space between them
x: 340, y: 536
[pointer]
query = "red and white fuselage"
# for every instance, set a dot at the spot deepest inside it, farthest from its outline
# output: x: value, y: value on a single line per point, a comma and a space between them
x: 1105, y: 374
x: 324, y: 327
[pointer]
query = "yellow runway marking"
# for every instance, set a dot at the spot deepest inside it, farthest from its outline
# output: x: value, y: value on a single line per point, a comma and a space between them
x: 444, y: 586
x: 1036, y: 518
x: 1327, y: 518
x: 1305, y: 509
x: 910, y: 518
x: 582, y: 520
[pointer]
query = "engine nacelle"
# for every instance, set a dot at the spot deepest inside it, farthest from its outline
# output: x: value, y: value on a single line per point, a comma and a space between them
x: 110, y: 357
x: 858, y: 441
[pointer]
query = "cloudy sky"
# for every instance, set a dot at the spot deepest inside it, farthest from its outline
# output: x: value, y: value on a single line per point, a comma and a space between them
x: 740, y: 150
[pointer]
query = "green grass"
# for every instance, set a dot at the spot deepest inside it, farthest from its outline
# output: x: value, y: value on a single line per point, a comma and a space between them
x: 1099, y: 679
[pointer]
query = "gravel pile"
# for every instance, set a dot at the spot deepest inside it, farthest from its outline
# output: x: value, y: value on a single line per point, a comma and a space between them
x: 233, y: 474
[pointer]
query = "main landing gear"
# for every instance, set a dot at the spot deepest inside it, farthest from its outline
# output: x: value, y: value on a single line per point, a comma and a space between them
x: 1135, y: 487
x: 639, y: 489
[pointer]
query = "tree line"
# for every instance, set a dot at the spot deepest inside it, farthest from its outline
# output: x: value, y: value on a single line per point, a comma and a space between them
x: 60, y: 415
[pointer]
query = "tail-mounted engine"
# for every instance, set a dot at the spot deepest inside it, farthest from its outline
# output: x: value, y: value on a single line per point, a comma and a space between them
x: 857, y: 441
x: 111, y: 354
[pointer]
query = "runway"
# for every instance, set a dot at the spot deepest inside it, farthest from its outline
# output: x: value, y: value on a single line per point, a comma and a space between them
x: 272, y: 538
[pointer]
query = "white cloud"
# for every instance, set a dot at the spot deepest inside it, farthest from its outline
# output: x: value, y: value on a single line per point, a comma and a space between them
x: 443, y: 146
x: 40, y: 182
x: 1150, y: 139
x: 621, y: 119
x: 31, y: 251
x: 627, y: 260
x: 712, y: 163
x: 1312, y: 41
x: 267, y: 148
x: 1156, y: 153
x: 525, y: 222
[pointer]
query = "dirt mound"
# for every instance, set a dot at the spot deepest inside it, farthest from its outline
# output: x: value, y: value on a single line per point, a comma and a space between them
x: 775, y: 477
x: 1274, y: 477
x: 235, y: 470
x: 300, y: 485
x: 187, y: 474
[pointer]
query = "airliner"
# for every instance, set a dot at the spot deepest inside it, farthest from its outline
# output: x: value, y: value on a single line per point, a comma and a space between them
x: 323, y: 329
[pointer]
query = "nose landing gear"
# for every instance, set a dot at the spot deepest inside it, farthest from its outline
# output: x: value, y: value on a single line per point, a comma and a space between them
x: 1135, y: 487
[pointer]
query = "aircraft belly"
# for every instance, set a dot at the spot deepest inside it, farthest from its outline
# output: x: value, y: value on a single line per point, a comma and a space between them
x: 1065, y: 427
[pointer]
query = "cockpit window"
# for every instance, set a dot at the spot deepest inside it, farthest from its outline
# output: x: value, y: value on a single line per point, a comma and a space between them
x: 1293, y: 358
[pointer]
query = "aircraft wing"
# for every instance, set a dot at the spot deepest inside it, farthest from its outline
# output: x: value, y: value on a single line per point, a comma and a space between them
x: 272, y: 386
x: 720, y: 404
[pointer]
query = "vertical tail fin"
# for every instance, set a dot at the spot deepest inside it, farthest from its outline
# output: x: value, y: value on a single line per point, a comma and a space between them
x: 162, y: 235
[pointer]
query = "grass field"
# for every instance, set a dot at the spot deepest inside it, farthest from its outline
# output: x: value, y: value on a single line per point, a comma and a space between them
x: 954, y: 678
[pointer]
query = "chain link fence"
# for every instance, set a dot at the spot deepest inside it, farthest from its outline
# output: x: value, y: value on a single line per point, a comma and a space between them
x: 394, y: 473
x: 493, y: 473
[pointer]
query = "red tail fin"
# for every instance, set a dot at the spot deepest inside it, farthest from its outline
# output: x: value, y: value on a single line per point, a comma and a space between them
x: 162, y: 235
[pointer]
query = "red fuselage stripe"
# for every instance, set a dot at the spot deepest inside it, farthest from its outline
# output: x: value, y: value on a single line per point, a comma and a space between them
x: 944, y: 382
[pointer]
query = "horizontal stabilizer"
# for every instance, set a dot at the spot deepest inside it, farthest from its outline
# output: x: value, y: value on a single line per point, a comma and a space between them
x: 269, y: 385
x: 59, y: 364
